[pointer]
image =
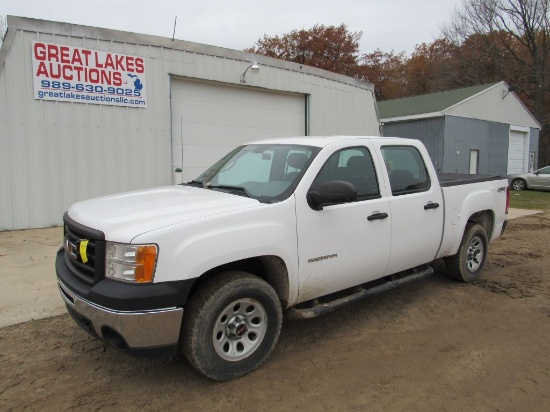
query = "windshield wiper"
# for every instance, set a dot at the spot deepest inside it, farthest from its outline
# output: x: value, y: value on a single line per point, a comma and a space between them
x: 241, y: 190
x: 195, y: 183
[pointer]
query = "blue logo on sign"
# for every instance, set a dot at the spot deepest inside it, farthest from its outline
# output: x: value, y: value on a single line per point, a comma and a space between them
x: 137, y: 83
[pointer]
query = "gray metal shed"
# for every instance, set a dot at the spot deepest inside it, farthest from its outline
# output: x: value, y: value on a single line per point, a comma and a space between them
x: 481, y: 129
x: 86, y: 111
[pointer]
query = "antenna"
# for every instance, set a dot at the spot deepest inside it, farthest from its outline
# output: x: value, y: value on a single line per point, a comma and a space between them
x: 174, y: 34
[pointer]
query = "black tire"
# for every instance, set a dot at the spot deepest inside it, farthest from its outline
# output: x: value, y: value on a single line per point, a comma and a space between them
x: 231, y: 325
x: 519, y: 184
x: 467, y: 264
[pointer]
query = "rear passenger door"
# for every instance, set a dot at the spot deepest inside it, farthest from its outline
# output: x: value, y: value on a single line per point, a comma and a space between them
x: 416, y: 206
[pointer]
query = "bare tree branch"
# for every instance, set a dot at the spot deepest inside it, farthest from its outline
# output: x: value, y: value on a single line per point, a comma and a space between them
x: 3, y: 29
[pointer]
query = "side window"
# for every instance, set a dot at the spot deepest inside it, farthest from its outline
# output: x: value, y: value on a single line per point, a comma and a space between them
x: 352, y: 165
x: 406, y: 169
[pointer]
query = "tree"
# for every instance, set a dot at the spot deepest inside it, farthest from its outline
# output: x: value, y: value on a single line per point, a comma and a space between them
x: 515, y: 36
x: 385, y: 71
x: 430, y: 68
x: 327, y: 47
x: 3, y: 29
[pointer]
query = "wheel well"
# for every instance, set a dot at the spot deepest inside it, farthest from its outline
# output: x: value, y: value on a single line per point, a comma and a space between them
x: 272, y: 269
x: 486, y: 219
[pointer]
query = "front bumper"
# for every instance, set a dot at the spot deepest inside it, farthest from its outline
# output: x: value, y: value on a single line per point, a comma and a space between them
x: 146, y: 331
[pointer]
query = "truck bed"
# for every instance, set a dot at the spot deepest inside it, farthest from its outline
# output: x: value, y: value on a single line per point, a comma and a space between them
x: 456, y: 179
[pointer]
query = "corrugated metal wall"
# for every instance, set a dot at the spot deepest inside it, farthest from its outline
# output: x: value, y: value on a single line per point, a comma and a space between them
x: 428, y: 131
x: 53, y: 154
x: 534, y: 146
x: 57, y: 153
x: 463, y: 134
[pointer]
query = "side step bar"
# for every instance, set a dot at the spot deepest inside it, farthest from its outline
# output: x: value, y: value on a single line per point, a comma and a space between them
x: 361, y: 292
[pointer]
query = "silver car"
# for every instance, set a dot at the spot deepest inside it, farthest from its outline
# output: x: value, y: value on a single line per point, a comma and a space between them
x: 539, y: 179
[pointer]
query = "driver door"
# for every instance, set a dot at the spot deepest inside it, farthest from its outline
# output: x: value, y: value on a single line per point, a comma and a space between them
x: 344, y: 245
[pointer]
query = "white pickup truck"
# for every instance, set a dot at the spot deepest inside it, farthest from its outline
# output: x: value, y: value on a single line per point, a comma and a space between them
x: 302, y: 225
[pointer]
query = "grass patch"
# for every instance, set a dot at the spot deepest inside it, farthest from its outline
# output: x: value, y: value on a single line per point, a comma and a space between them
x: 529, y: 199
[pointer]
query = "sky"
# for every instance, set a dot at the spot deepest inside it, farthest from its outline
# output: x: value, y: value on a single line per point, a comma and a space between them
x: 396, y: 25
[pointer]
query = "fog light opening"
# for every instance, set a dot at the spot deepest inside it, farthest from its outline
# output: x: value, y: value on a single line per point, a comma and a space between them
x: 113, y: 338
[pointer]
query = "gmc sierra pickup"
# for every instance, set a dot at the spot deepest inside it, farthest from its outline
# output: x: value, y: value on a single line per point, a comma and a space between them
x: 302, y: 225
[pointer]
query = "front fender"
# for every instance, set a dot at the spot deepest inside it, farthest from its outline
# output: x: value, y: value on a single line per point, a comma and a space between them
x: 190, y: 249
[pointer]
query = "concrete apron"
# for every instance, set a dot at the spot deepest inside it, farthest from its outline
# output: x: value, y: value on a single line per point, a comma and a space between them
x: 27, y: 272
x: 514, y: 213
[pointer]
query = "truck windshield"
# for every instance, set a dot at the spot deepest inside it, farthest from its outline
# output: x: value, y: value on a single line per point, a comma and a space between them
x: 266, y: 172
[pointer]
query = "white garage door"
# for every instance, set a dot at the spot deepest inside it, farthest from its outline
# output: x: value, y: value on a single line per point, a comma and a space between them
x: 517, y: 152
x: 209, y: 119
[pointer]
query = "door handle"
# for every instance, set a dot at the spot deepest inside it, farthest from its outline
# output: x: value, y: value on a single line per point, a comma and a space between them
x: 431, y: 205
x: 377, y: 216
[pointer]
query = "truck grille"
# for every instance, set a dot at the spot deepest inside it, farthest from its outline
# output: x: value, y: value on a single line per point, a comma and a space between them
x: 84, y: 251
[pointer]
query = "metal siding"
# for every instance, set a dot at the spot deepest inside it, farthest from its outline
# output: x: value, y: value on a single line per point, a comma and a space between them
x: 462, y: 135
x: 534, y: 146
x: 495, y: 105
x: 56, y: 153
x: 428, y: 131
x: 59, y: 153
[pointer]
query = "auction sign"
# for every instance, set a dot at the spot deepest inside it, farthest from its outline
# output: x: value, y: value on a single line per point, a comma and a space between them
x: 76, y: 74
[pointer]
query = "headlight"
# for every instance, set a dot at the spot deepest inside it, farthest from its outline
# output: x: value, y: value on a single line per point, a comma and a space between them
x: 131, y: 263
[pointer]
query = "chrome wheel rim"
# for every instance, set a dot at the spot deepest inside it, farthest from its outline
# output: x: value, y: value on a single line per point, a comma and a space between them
x: 239, y: 329
x: 474, y: 256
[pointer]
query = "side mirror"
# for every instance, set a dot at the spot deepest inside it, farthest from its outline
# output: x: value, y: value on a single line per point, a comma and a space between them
x: 331, y: 193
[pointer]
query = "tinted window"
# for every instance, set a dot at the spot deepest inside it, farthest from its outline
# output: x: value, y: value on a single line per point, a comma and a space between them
x: 352, y: 165
x: 406, y: 170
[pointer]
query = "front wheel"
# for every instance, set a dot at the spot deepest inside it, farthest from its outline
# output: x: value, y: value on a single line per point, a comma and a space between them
x: 518, y: 184
x: 231, y: 325
x: 468, y: 263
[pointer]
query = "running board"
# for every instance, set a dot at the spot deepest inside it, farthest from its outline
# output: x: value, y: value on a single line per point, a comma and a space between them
x: 361, y: 292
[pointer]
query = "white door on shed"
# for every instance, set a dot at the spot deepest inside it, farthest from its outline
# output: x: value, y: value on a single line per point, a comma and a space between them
x: 210, y: 119
x: 518, y: 151
x: 474, y: 159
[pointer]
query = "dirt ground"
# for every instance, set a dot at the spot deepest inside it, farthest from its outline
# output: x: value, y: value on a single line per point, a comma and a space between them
x: 434, y: 345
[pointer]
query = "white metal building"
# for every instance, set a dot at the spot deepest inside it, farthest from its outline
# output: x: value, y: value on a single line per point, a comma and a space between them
x: 86, y: 111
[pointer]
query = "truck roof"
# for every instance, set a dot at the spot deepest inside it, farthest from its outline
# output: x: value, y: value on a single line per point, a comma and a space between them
x: 322, y: 141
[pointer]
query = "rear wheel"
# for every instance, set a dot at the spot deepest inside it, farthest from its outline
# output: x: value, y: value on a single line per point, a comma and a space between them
x: 468, y: 263
x: 519, y: 184
x: 231, y: 325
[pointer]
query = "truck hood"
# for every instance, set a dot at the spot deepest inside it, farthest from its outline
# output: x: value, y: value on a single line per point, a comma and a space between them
x: 124, y: 216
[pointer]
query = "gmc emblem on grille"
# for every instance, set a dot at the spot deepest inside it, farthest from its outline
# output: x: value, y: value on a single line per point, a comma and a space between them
x: 70, y: 248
